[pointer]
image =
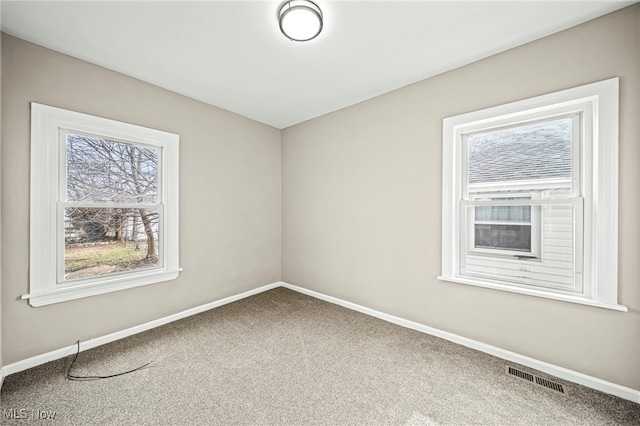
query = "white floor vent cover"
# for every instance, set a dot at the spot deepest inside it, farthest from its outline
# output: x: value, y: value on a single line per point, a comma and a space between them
x: 549, y: 384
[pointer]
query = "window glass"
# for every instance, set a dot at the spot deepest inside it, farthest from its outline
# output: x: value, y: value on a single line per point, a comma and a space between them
x: 504, y: 213
x: 535, y: 151
x: 503, y: 237
x: 100, y: 170
x: 101, y: 241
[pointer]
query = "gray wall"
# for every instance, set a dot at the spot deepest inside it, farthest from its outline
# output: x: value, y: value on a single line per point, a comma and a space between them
x: 362, y: 203
x: 229, y: 199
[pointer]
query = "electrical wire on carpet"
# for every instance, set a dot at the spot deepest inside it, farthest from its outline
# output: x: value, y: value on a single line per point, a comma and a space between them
x: 80, y: 378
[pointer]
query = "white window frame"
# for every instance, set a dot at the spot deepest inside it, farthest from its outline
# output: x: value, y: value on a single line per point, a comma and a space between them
x: 48, y: 198
x: 594, y: 196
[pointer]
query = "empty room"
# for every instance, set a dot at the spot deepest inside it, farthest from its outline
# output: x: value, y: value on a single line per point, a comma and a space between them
x: 320, y: 212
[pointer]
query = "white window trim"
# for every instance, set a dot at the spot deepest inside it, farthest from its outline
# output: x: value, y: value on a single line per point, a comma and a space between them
x: 46, y: 171
x: 599, y: 187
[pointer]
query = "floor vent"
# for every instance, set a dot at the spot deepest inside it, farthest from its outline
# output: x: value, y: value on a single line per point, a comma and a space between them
x: 519, y: 373
x: 541, y: 381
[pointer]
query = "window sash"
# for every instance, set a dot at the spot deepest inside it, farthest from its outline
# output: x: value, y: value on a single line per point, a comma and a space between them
x: 577, y: 116
x: 61, y: 280
x: 160, y: 196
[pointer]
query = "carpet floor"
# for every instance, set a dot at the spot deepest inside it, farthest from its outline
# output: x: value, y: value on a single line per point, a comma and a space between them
x: 283, y: 358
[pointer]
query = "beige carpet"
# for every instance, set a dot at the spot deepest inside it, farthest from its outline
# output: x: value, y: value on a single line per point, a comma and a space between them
x: 285, y: 358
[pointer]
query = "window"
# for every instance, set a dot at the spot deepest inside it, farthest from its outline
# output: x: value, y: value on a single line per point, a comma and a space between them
x: 530, y: 196
x: 504, y: 230
x: 104, y: 206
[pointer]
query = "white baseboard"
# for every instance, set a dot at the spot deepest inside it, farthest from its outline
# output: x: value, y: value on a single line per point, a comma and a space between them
x: 98, y: 341
x: 560, y: 372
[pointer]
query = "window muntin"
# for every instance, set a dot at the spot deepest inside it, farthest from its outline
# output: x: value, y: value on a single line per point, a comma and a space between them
x: 588, y: 198
x: 93, y: 181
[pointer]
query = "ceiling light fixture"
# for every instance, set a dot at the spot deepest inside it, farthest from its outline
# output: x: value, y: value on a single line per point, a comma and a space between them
x: 300, y: 20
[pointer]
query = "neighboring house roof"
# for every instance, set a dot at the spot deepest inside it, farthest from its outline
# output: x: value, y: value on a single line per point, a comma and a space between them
x: 538, y: 151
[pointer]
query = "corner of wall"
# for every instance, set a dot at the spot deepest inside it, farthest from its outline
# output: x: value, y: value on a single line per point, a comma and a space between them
x: 1, y: 364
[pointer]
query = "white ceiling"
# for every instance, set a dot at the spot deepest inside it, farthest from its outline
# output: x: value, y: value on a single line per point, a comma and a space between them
x: 231, y: 53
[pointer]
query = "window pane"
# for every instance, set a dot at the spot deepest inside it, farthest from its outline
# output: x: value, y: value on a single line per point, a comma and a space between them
x: 536, y: 151
x: 100, y: 170
x: 100, y: 241
x: 503, y: 237
x: 503, y: 213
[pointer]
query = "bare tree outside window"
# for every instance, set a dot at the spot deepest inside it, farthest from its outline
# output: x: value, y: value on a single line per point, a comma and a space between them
x: 111, y: 214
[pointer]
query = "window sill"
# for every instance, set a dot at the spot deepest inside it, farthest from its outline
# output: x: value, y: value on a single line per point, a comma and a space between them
x: 533, y: 292
x: 108, y: 285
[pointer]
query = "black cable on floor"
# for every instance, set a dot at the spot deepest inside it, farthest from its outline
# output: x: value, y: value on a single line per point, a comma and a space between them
x: 80, y: 378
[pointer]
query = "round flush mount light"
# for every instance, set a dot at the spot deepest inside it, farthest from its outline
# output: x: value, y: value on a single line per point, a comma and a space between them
x: 300, y: 20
